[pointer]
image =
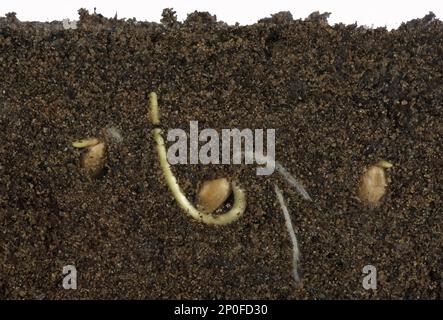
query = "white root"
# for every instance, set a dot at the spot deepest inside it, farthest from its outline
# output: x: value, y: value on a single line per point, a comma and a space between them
x: 239, y: 205
x: 293, y: 181
x: 295, y: 250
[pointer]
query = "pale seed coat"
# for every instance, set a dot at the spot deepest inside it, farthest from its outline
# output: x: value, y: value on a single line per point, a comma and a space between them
x: 213, y: 194
x: 373, y: 185
x: 93, y: 159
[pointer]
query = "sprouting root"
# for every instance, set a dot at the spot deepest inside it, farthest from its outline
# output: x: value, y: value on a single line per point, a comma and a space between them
x: 292, y: 236
x: 233, y: 214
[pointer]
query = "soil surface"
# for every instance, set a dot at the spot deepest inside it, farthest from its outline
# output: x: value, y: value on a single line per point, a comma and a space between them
x: 340, y: 98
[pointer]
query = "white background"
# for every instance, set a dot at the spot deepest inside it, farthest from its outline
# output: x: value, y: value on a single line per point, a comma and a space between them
x: 368, y: 12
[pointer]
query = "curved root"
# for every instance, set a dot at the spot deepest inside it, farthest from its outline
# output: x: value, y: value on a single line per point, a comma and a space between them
x: 239, y: 205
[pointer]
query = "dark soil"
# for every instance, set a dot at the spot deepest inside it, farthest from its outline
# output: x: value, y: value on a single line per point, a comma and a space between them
x: 341, y: 98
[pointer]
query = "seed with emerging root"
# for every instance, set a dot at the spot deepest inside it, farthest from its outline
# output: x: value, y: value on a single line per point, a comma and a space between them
x: 239, y: 205
x: 373, y: 183
x: 93, y: 159
x: 213, y: 194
